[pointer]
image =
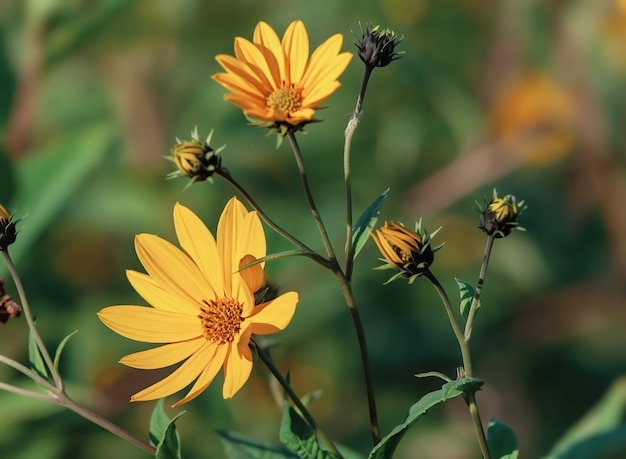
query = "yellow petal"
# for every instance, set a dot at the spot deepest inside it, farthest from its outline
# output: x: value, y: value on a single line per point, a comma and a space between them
x: 151, y: 325
x: 171, y: 268
x: 195, y: 238
x: 238, y: 69
x: 320, y: 93
x: 250, y: 54
x: 323, y: 76
x: 269, y: 44
x: 238, y: 366
x: 322, y: 60
x: 206, y: 377
x: 253, y: 275
x: 181, y: 377
x: 229, y: 228
x: 155, y: 295
x: 163, y: 356
x: 274, y: 315
x: 296, y: 45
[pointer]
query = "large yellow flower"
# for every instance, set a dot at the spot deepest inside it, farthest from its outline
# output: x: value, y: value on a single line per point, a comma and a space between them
x: 275, y: 81
x: 203, y: 307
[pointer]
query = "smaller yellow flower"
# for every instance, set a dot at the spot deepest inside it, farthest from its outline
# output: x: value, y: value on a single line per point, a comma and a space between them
x: 500, y: 215
x: 410, y: 252
x: 8, y: 232
x: 195, y: 159
x: 276, y: 82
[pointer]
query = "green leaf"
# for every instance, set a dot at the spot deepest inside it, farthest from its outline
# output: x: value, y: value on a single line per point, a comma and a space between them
x: 436, y: 374
x: 163, y: 434
x: 299, y: 437
x: 387, y: 446
x: 57, y: 355
x: 280, y: 255
x: 600, y: 430
x: 365, y: 224
x: 35, y: 358
x: 237, y: 446
x: 467, y: 292
x: 501, y: 440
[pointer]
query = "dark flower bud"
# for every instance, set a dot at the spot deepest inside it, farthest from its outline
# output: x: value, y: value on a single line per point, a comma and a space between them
x: 9, y: 308
x: 8, y: 232
x: 377, y: 46
x: 500, y: 215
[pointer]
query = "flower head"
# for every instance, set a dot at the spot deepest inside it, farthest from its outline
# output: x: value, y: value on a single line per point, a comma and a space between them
x: 410, y: 252
x: 500, y: 215
x: 275, y: 82
x: 8, y: 232
x: 195, y: 159
x: 377, y: 46
x: 202, y: 303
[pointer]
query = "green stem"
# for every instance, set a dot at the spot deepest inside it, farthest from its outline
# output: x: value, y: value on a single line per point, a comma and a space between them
x: 467, y: 364
x: 57, y: 389
x: 26, y: 393
x: 309, y: 196
x: 296, y: 400
x: 479, y: 286
x: 348, y: 134
x: 346, y: 289
x: 29, y: 320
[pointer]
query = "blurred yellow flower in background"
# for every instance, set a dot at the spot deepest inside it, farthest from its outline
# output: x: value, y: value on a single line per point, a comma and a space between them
x: 536, y: 118
x: 203, y: 307
x: 276, y: 81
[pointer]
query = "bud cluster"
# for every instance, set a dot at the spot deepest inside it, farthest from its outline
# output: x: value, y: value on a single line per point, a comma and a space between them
x: 195, y: 159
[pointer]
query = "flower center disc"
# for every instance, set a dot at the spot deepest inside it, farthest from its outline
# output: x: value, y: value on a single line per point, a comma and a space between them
x: 284, y: 99
x: 221, y: 319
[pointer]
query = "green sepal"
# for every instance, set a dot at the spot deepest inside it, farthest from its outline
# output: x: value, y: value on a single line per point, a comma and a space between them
x: 35, y: 358
x: 501, y: 440
x: 237, y: 446
x: 60, y: 347
x: 366, y: 222
x: 467, y: 292
x: 163, y: 434
x: 387, y: 446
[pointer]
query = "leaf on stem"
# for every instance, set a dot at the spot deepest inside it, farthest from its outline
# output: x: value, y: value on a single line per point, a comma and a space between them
x: 300, y: 438
x: 366, y: 222
x: 387, y: 446
x: 163, y: 434
x: 501, y: 440
x: 35, y: 358
x: 467, y: 292
x: 57, y: 354
x: 238, y: 446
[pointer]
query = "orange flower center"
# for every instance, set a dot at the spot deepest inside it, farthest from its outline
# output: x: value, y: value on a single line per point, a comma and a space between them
x: 221, y: 319
x: 284, y: 99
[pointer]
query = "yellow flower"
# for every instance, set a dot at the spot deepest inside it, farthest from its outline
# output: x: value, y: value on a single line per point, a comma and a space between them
x: 276, y: 81
x: 202, y: 306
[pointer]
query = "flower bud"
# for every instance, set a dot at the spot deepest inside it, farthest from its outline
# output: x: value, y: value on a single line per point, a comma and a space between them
x: 8, y: 233
x: 410, y: 252
x: 377, y: 46
x: 500, y: 215
x: 195, y: 159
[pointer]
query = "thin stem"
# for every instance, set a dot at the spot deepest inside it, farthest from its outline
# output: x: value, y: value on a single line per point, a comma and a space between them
x: 349, y: 132
x: 467, y: 364
x: 309, y: 196
x: 479, y: 286
x: 27, y: 372
x: 225, y: 174
x: 27, y: 393
x: 29, y: 319
x: 346, y: 289
x: 296, y: 400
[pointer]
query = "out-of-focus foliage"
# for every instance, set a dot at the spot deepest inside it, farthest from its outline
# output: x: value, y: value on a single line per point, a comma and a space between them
x: 523, y: 95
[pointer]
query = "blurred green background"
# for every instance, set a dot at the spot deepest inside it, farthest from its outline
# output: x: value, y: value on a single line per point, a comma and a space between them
x: 525, y: 96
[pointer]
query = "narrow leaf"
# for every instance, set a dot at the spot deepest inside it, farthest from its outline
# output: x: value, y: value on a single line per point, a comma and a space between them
x: 163, y: 434
x: 35, y: 358
x: 57, y: 355
x: 387, y: 446
x: 501, y: 440
x: 467, y: 293
x: 237, y: 446
x: 280, y: 255
x: 366, y: 222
